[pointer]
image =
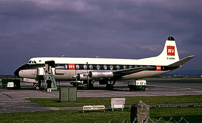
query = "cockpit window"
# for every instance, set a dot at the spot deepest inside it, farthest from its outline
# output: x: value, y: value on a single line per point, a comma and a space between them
x: 31, y: 62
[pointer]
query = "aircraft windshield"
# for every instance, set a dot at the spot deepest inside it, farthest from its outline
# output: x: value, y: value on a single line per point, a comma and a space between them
x: 31, y: 62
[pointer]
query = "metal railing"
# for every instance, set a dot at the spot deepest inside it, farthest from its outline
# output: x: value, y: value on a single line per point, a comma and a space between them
x: 45, y: 76
x: 53, y: 79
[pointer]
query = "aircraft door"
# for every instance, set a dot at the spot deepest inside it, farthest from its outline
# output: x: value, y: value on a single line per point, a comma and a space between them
x: 50, y: 67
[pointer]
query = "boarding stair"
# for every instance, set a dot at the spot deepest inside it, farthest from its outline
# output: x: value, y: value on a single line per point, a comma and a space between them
x: 50, y: 75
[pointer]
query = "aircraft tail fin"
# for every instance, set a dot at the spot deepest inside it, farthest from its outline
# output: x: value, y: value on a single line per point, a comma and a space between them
x: 169, y: 54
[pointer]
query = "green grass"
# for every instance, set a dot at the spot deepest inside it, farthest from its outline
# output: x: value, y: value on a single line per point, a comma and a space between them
x: 192, y: 115
x: 54, y: 102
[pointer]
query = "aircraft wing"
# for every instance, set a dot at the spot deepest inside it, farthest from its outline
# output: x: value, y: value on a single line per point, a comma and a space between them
x: 181, y: 62
x: 132, y: 70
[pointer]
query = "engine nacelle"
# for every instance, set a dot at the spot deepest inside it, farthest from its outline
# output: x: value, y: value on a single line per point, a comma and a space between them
x: 99, y: 74
x: 82, y: 76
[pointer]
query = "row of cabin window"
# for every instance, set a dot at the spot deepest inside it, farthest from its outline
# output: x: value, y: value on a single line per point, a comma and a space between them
x: 100, y: 66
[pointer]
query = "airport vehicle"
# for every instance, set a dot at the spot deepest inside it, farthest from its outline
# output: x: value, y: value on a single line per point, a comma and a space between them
x: 5, y: 81
x: 137, y: 85
x: 104, y: 70
x: 14, y: 84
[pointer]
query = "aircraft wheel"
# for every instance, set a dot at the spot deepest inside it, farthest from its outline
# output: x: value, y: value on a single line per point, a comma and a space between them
x: 74, y: 84
x: 91, y: 86
x: 109, y: 87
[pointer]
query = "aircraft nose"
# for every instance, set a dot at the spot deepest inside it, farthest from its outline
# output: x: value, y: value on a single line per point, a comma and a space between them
x: 16, y: 73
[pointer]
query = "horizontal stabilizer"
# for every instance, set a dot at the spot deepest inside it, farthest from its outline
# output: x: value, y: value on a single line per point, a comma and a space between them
x: 181, y: 62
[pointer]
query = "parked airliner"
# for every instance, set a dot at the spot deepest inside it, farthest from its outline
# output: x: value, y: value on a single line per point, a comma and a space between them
x: 105, y: 70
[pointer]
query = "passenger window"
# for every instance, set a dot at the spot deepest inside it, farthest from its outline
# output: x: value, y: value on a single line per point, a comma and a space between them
x: 117, y: 67
x: 98, y: 67
x: 105, y: 67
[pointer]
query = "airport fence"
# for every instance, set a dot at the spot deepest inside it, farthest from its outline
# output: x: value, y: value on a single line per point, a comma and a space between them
x: 160, y: 120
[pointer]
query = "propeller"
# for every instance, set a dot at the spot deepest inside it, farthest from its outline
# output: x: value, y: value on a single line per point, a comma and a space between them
x: 76, y: 77
x: 80, y: 76
x: 87, y: 77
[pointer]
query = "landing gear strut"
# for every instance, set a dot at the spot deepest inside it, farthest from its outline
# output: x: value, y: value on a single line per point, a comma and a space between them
x: 89, y: 85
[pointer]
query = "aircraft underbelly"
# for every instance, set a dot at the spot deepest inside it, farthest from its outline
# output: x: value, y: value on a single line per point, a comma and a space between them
x: 143, y: 74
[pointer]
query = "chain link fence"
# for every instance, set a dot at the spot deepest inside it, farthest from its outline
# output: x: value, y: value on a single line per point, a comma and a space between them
x: 160, y: 120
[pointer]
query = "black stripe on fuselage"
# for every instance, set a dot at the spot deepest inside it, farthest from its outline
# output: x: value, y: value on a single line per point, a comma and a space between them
x: 92, y: 67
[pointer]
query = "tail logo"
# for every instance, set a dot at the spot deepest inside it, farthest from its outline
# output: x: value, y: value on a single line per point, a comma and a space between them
x: 171, y: 50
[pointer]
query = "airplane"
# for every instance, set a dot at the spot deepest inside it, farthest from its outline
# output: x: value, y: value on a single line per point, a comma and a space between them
x: 105, y: 70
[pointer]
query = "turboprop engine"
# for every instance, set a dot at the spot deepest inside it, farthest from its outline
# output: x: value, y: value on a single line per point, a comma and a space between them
x: 82, y: 76
x: 96, y: 75
x: 101, y: 74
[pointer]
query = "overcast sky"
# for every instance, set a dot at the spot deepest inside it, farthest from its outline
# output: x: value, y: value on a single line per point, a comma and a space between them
x: 105, y: 28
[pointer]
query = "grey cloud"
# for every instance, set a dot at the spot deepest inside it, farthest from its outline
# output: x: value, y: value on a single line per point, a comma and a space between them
x: 195, y: 39
x: 90, y: 28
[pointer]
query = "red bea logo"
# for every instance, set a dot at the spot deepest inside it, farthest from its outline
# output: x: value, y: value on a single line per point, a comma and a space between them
x: 71, y: 67
x: 158, y: 68
x: 171, y: 50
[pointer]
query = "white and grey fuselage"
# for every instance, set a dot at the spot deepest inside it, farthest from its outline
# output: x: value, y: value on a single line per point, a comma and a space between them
x: 106, y: 68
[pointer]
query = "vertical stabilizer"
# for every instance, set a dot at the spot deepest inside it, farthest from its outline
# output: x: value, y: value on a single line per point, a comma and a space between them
x: 170, y: 52
x: 168, y: 56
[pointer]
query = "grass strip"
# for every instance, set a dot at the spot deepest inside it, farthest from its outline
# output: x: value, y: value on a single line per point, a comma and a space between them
x: 54, y: 102
x: 192, y: 115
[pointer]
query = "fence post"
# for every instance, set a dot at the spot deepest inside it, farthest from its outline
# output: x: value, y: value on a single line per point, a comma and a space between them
x: 140, y: 111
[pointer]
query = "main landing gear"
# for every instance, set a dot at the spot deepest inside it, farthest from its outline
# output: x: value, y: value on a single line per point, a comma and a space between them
x: 109, y: 87
x: 89, y: 84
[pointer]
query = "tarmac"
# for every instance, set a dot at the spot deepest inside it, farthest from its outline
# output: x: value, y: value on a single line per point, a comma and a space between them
x: 15, y: 100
